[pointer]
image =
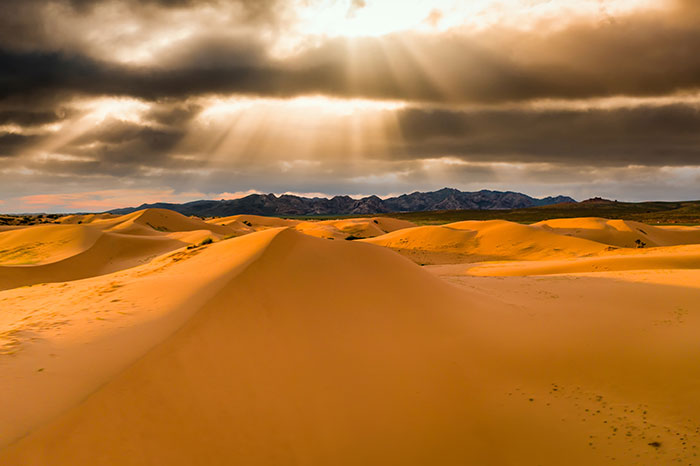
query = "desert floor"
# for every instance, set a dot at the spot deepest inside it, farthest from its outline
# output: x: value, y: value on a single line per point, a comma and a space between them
x: 153, y: 338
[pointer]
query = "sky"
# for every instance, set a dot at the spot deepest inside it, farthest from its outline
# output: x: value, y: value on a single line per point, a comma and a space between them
x: 107, y: 103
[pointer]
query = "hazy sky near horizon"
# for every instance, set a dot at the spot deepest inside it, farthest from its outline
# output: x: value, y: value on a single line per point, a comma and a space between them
x: 107, y: 103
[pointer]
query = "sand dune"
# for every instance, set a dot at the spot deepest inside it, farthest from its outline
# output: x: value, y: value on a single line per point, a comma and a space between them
x: 83, y: 218
x: 474, y: 241
x: 154, y: 221
x: 253, y: 222
x: 109, y: 253
x: 91, y: 245
x: 278, y: 348
x: 93, y: 328
x: 327, y: 229
x: 622, y: 233
x: 680, y: 257
x: 352, y: 227
x: 57, y: 253
x: 43, y: 244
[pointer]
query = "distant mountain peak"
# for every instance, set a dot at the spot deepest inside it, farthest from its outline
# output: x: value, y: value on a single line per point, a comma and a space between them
x: 292, y: 205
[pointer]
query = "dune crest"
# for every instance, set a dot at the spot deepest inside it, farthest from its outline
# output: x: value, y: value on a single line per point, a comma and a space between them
x: 253, y: 222
x: 353, y: 228
x: 326, y: 229
x: 153, y: 221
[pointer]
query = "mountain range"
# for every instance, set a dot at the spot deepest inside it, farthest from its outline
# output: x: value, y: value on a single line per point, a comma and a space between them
x: 290, y: 205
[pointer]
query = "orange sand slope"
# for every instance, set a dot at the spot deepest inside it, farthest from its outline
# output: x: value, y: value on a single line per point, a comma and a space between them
x: 252, y: 222
x: 622, y: 233
x: 327, y: 229
x: 56, y: 253
x: 83, y: 218
x: 474, y: 241
x: 158, y: 220
x: 352, y: 228
x: 273, y: 347
x: 44, y: 244
x: 553, y: 246
x: 88, y: 245
x: 280, y: 348
x: 667, y: 258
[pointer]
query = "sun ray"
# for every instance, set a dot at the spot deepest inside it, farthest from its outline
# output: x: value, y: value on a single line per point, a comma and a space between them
x: 289, y: 133
x: 92, y: 113
x: 439, y: 78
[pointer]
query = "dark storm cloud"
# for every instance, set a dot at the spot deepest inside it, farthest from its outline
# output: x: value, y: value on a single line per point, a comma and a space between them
x: 125, y: 146
x: 643, y: 135
x: 469, y: 99
x: 11, y: 144
x: 30, y: 118
x: 41, y: 75
x: 173, y: 114
x: 646, y: 135
x: 30, y: 24
x: 46, y: 73
x: 640, y: 55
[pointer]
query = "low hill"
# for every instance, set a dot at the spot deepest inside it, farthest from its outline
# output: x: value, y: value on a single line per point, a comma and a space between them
x: 681, y: 212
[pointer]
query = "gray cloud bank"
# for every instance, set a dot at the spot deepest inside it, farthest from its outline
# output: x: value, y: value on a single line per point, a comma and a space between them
x: 470, y: 96
x: 643, y: 54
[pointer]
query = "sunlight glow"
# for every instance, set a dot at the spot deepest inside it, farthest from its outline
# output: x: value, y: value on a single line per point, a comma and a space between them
x: 363, y: 18
x: 111, y: 30
x: 11, y: 129
x: 350, y: 18
x: 218, y: 107
x: 123, y: 109
x: 93, y: 113
x: 302, y: 129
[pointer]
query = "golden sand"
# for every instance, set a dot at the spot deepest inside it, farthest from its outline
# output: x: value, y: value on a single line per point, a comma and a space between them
x: 549, y: 344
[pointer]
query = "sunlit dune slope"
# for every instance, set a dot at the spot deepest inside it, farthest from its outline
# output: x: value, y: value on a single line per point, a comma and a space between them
x: 43, y: 244
x: 252, y: 222
x: 92, y: 328
x: 280, y: 348
x: 83, y: 218
x: 110, y: 252
x: 11, y: 227
x: 352, y: 228
x: 93, y: 245
x: 155, y: 221
x: 473, y: 241
x: 263, y: 372
x: 622, y: 233
x: 105, y: 244
x: 668, y: 258
x: 327, y: 229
